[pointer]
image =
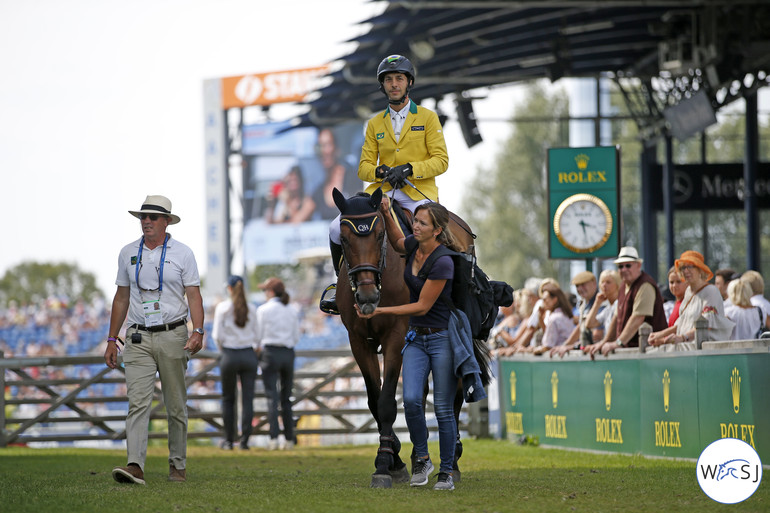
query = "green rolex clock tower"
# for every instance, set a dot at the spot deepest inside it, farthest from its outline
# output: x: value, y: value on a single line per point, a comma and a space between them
x: 584, y: 202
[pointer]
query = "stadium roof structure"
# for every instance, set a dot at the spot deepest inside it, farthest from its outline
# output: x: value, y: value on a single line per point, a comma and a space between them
x: 661, y: 53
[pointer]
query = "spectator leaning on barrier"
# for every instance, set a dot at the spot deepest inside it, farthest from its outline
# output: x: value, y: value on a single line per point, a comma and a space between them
x: 722, y: 278
x: 758, y: 288
x: 558, y: 325
x: 638, y: 301
x: 747, y: 317
x: 700, y: 299
x: 677, y: 286
x: 609, y: 285
x: 155, y: 273
x: 583, y: 334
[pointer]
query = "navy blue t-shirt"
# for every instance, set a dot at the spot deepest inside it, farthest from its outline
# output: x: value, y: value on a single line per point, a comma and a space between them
x: 443, y: 269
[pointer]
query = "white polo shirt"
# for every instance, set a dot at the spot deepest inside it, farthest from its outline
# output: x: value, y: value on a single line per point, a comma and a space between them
x: 180, y: 270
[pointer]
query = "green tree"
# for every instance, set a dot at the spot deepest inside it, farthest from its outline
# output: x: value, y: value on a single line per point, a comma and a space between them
x: 35, y: 281
x: 507, y: 205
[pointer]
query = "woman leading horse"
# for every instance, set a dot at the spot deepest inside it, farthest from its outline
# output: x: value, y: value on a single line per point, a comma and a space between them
x: 375, y: 274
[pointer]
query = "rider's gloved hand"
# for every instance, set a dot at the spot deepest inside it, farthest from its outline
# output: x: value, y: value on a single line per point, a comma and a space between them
x: 382, y: 171
x: 398, y: 175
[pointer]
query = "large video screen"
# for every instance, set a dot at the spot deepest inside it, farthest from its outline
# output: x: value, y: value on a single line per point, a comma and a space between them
x: 288, y: 178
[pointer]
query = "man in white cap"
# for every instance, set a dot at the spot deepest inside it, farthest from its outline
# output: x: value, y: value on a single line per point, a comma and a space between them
x: 582, y: 335
x: 155, y: 273
x: 639, y: 301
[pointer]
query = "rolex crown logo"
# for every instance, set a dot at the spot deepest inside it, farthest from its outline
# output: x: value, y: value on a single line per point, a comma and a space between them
x: 582, y: 161
x: 513, y: 388
x: 735, y: 385
x: 608, y: 390
x: 555, y: 388
x: 666, y: 390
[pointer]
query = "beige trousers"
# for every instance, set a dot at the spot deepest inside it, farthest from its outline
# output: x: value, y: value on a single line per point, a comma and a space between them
x: 162, y: 352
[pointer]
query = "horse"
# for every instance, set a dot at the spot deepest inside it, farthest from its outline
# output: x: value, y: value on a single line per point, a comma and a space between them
x: 372, y: 275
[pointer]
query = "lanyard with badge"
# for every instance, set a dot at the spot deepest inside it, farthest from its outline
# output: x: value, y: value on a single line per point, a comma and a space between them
x: 153, y: 314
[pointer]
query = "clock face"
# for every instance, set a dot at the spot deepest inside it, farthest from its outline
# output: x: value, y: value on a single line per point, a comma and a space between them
x: 582, y: 223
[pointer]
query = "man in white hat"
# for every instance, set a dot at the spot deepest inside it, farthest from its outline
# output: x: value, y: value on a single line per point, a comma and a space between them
x: 155, y: 273
x: 639, y: 301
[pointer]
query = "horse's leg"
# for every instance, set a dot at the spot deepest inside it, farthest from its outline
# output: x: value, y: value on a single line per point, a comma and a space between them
x: 458, y: 404
x: 388, y: 460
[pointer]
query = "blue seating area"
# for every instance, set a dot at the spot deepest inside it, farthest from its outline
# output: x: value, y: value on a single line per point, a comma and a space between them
x: 17, y: 337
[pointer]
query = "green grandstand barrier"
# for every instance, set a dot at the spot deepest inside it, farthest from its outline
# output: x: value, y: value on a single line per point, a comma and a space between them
x: 671, y: 405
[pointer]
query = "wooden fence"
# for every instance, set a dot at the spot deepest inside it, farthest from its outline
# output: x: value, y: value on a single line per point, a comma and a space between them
x: 77, y: 398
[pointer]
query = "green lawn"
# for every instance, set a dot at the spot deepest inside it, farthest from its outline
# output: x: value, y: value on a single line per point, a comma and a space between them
x: 497, y: 476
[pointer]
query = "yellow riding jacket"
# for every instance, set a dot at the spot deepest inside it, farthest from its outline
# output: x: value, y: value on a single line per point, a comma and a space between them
x: 421, y: 144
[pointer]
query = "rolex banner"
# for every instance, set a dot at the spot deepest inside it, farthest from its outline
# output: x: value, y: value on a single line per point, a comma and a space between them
x: 658, y: 406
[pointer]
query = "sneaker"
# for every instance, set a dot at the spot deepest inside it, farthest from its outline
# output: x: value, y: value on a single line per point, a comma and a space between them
x: 328, y: 303
x: 288, y: 446
x: 128, y: 474
x: 272, y: 444
x: 420, y: 472
x: 175, y: 474
x: 445, y: 482
x: 227, y: 446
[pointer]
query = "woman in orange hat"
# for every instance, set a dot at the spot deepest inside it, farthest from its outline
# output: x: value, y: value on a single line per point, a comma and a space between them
x: 700, y: 299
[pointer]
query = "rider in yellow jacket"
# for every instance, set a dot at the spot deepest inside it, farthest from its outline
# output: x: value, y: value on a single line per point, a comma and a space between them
x: 420, y: 145
x: 405, y: 142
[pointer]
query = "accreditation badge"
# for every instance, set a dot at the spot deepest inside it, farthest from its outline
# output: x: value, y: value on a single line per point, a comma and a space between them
x: 153, y: 314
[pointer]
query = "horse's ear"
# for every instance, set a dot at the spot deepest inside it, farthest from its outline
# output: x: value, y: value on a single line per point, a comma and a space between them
x: 376, y: 198
x: 339, y: 200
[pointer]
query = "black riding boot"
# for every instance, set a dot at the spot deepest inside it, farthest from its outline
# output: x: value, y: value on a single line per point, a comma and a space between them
x: 328, y: 302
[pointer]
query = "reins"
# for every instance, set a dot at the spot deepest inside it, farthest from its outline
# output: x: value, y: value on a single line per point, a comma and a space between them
x: 410, y: 184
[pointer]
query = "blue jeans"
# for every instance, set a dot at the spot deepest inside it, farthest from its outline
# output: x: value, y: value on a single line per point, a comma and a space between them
x: 430, y: 353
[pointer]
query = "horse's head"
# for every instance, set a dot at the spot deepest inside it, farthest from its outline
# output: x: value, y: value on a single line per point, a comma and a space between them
x: 362, y: 235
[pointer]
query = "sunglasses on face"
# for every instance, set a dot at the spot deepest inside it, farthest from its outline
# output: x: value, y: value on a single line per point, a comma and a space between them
x: 625, y: 266
x: 153, y: 217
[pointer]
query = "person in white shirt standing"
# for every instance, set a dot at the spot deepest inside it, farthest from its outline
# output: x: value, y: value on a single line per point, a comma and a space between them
x: 158, y: 288
x: 277, y: 334
x: 235, y: 333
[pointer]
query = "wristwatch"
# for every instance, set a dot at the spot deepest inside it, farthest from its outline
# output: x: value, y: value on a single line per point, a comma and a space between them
x: 619, y: 343
x: 199, y: 330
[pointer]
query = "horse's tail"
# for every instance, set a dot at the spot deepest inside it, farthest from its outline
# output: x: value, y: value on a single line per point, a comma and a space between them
x: 484, y: 359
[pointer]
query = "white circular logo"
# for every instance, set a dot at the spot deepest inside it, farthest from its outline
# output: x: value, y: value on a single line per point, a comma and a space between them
x: 729, y: 470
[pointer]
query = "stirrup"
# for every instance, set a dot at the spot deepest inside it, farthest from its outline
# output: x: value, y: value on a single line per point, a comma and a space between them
x: 329, y: 304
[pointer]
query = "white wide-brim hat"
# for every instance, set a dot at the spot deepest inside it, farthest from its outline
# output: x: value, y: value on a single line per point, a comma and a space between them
x: 628, y: 254
x: 156, y: 205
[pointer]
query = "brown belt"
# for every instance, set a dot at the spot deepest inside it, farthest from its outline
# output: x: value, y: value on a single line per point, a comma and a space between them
x: 426, y: 331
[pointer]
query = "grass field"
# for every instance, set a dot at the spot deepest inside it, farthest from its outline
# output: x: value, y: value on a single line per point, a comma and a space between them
x: 497, y: 476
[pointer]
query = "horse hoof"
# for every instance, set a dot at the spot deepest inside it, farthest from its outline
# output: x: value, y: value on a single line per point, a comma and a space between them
x: 381, y: 481
x: 400, y: 475
x: 456, y: 475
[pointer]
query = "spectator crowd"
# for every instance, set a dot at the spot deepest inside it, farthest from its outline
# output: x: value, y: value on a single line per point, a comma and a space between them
x: 605, y: 314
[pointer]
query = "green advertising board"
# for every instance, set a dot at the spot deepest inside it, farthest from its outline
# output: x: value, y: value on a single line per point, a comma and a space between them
x: 584, y: 202
x: 671, y: 406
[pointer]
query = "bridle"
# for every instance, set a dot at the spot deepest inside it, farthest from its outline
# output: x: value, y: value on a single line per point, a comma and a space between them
x: 363, y: 225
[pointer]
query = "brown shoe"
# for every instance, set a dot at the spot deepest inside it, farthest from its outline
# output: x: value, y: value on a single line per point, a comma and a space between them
x: 175, y: 474
x: 128, y: 474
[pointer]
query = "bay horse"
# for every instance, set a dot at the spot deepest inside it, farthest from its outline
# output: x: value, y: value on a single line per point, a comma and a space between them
x: 372, y: 275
